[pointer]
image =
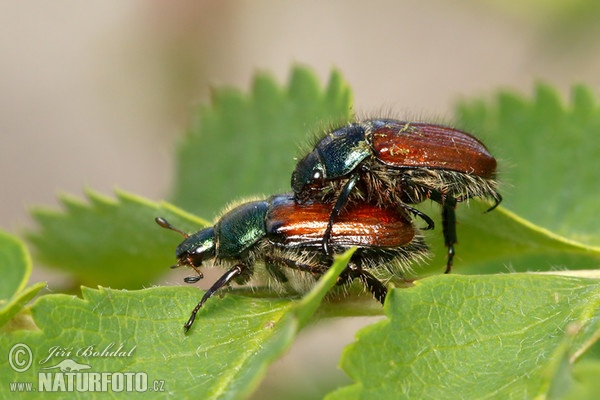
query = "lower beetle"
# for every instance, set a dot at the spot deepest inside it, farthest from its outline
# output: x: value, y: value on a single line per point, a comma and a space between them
x: 391, y: 162
x: 287, y: 238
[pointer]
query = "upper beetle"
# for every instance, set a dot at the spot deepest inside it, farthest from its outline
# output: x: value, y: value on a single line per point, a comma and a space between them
x: 396, y: 163
x: 287, y: 238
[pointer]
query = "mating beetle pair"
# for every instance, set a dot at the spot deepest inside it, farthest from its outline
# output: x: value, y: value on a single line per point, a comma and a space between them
x: 356, y: 188
x: 397, y: 163
x: 287, y: 238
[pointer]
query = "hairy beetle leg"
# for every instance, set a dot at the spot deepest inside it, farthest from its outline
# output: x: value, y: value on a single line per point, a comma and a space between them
x: 372, y: 284
x: 449, y: 228
x: 448, y: 204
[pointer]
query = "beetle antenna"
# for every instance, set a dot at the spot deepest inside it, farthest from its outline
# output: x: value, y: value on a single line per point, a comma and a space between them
x: 165, y: 224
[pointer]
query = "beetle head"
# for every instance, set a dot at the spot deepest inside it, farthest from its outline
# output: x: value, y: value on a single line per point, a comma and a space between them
x: 336, y: 155
x: 195, y: 248
x: 309, y: 170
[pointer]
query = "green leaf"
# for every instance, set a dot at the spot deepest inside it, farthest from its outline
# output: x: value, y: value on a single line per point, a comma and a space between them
x: 15, y: 268
x: 244, y: 145
x: 224, y: 355
x: 15, y: 264
x: 501, y: 241
x: 585, y: 383
x: 547, y: 156
x: 496, y: 336
x: 110, y: 242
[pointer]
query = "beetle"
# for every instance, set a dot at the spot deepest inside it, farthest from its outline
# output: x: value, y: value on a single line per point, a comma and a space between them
x: 391, y: 162
x: 287, y: 238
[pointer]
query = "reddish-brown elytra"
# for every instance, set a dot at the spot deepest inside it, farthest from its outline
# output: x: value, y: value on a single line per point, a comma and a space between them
x: 420, y: 145
x: 366, y: 225
x: 287, y: 238
x: 396, y: 163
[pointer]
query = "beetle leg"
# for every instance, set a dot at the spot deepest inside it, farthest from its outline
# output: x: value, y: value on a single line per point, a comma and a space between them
x: 423, y: 216
x: 295, y: 265
x: 192, y: 279
x: 222, y: 281
x: 497, y: 197
x: 449, y: 228
x: 497, y: 201
x: 337, y: 208
x: 448, y: 223
x: 372, y: 284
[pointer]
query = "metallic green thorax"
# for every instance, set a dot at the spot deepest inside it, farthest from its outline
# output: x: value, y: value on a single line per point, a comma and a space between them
x: 336, y: 155
x: 240, y: 228
x: 342, y: 150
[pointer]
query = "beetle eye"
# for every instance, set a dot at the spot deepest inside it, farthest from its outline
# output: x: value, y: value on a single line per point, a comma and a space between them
x: 318, y: 172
